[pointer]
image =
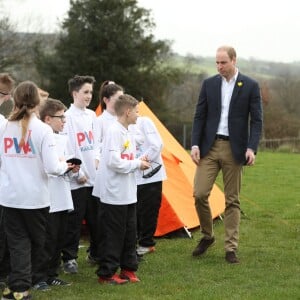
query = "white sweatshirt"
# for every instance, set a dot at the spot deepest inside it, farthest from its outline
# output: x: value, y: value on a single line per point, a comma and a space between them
x: 115, y: 180
x: 59, y: 186
x: 102, y: 123
x: 149, y: 143
x: 79, y: 127
x: 23, y: 172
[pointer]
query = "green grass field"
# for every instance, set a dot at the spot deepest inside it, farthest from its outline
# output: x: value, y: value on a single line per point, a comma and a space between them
x: 269, y: 250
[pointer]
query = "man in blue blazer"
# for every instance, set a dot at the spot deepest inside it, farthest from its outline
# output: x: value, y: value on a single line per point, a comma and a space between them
x: 225, y: 136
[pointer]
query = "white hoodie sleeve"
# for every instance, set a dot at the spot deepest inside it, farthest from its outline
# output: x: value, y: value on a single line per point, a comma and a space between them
x: 152, y: 137
x: 50, y: 158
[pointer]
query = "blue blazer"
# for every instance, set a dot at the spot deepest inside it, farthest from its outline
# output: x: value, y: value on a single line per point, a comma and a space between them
x: 244, y: 118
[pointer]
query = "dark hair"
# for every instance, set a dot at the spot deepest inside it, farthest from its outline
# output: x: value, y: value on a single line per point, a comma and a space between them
x: 50, y: 107
x: 107, y: 89
x: 124, y: 102
x: 26, y: 99
x: 78, y: 81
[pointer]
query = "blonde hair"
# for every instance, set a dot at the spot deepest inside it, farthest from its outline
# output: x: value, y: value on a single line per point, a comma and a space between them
x: 26, y: 99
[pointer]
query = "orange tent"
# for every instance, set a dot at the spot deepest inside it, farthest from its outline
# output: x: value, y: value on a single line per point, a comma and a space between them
x: 177, y: 208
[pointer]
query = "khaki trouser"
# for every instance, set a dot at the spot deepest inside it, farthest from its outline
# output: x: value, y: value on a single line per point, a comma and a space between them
x: 219, y: 158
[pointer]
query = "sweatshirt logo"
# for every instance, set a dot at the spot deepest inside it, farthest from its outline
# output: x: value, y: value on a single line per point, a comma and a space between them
x: 12, y: 145
x: 85, y: 140
x: 128, y: 156
x: 126, y: 146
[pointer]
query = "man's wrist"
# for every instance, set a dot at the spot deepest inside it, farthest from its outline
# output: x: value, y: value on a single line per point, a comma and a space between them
x: 195, y: 147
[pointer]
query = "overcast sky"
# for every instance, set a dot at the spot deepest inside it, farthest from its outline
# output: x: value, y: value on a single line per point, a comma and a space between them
x: 261, y: 29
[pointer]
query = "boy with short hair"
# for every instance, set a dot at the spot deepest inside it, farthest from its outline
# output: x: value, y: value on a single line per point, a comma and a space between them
x: 116, y: 187
x: 80, y: 131
x: 52, y: 113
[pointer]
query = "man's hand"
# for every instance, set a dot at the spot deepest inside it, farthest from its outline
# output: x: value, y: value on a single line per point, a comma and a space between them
x: 195, y: 154
x: 250, y: 157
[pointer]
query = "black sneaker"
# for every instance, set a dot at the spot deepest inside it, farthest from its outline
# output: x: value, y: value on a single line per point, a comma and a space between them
x: 58, y: 282
x: 203, y: 245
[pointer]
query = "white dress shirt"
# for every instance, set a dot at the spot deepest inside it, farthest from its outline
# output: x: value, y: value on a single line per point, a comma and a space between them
x: 226, y: 94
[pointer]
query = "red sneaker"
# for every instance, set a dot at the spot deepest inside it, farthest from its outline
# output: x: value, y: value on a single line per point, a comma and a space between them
x: 129, y: 275
x: 115, y: 279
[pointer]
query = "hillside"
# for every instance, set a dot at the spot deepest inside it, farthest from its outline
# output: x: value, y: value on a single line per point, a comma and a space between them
x: 252, y: 67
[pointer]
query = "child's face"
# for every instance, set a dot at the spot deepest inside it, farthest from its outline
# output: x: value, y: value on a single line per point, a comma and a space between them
x: 83, y: 97
x: 57, y: 121
x: 132, y: 115
x: 110, y: 102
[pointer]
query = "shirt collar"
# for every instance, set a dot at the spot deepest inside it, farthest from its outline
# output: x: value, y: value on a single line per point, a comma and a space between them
x: 78, y: 110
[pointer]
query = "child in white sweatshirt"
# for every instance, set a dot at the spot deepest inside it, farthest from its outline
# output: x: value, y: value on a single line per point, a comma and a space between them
x: 52, y: 112
x: 149, y: 187
x: 108, y: 93
x: 80, y: 129
x: 28, y: 154
x: 117, y: 191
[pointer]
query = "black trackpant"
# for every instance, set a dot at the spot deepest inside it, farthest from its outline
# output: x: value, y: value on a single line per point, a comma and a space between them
x: 26, y: 235
x: 56, y: 231
x: 4, y: 253
x: 85, y: 207
x: 118, y: 242
x: 148, y: 205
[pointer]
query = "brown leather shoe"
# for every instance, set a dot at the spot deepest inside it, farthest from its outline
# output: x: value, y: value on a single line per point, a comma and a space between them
x: 231, y: 258
x: 203, y: 245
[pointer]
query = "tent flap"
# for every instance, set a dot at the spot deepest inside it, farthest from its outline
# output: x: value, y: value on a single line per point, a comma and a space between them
x: 178, y: 188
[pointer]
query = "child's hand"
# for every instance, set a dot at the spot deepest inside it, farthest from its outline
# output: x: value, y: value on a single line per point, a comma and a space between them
x: 144, y: 157
x: 144, y: 165
x: 71, y: 167
x: 82, y: 180
x: 76, y: 169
